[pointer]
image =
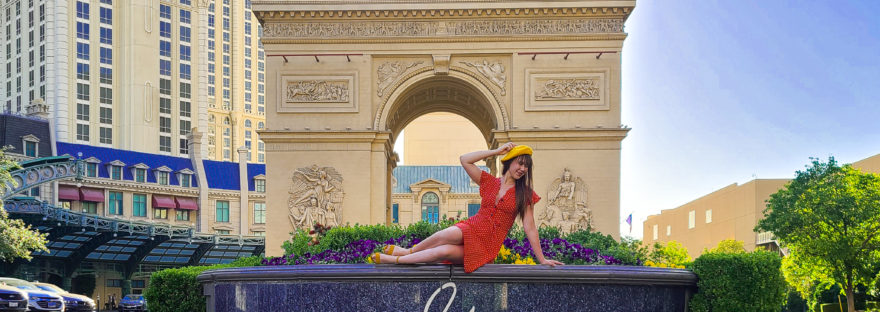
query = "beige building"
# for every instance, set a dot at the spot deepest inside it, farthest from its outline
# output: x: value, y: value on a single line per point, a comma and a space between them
x: 138, y: 75
x: 439, y: 139
x: 345, y: 77
x: 729, y: 213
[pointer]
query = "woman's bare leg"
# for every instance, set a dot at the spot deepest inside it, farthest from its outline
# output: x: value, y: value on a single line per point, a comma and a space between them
x: 452, y: 253
x: 448, y: 236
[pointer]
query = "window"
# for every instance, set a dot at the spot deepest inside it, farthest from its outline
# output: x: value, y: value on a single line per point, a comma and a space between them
x: 139, y: 205
x: 113, y: 283
x: 222, y: 232
x: 165, y: 69
x: 185, y: 89
x: 82, y: 71
x: 185, y: 53
x: 164, y: 124
x: 165, y: 30
x: 259, y: 213
x: 106, y: 15
x: 163, y: 178
x: 655, y: 232
x: 140, y: 175
x: 473, y: 209
x: 106, y: 35
x: 82, y: 92
x: 82, y: 132
x: 668, y: 230
x: 82, y: 10
x: 106, y: 75
x: 395, y: 212
x: 116, y: 172
x: 90, y: 207
x: 182, y: 215
x: 164, y: 105
x: 185, y: 107
x: 82, y: 31
x: 106, y: 55
x: 165, y: 144
x: 260, y: 185
x: 185, y: 127
x: 105, y: 96
x: 82, y: 51
x: 30, y: 148
x: 709, y: 216
x: 222, y: 212
x: 138, y: 283
x: 165, y: 11
x: 106, y: 135
x: 692, y: 216
x: 185, y: 16
x: 92, y: 170
x: 106, y: 115
x: 115, y: 203
x: 165, y: 48
x: 35, y: 192
x: 431, y: 208
x: 184, y: 146
x: 160, y: 213
x: 184, y: 180
x: 258, y: 233
x: 184, y: 33
x: 185, y: 71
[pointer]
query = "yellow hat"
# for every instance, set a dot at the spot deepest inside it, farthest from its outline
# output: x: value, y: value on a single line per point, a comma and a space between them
x: 516, y: 151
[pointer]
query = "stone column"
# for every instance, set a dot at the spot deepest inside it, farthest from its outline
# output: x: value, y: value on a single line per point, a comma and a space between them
x: 243, y: 215
x: 194, y: 141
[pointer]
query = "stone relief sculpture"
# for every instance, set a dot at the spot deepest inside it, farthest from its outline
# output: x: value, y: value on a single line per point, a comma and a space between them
x: 312, y: 91
x: 389, y: 72
x: 568, y: 89
x: 492, y: 71
x: 315, y: 195
x: 567, y: 204
x: 506, y: 27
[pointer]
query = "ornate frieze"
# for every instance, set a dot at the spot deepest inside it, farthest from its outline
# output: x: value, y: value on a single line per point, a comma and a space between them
x: 567, y: 89
x: 493, y: 71
x: 315, y: 195
x: 465, y: 28
x: 318, y: 91
x: 567, y: 204
x: 551, y: 90
x: 388, y: 72
x: 306, y: 93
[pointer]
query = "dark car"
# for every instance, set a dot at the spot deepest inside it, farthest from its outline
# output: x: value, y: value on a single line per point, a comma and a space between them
x: 38, y: 299
x: 12, y: 299
x: 133, y: 303
x: 72, y: 302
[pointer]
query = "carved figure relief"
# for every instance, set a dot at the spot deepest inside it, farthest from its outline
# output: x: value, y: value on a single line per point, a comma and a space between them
x: 312, y: 91
x: 505, y: 27
x: 315, y: 195
x: 568, y: 89
x: 567, y: 204
x: 492, y: 71
x: 389, y: 72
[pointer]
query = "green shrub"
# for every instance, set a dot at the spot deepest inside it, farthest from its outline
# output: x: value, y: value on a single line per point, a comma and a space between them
x: 739, y: 282
x: 176, y: 290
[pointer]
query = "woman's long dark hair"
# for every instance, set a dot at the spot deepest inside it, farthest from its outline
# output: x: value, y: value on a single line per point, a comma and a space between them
x: 523, y: 184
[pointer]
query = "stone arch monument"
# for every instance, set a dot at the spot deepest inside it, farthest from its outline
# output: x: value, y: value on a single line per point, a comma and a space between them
x: 343, y: 78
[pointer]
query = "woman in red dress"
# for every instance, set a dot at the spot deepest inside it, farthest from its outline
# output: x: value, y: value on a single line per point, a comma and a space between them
x: 477, y: 240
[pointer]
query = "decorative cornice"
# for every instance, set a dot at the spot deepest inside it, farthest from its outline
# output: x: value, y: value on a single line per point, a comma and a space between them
x: 137, y: 187
x: 269, y: 12
x: 163, y: 169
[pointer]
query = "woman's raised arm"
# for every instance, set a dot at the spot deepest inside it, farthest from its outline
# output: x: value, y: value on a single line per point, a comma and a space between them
x: 468, y: 160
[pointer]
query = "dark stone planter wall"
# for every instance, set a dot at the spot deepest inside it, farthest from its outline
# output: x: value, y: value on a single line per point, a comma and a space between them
x: 367, y: 287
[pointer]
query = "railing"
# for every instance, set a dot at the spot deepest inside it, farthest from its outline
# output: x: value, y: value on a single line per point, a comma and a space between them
x: 29, y: 205
x: 765, y: 238
x: 39, y: 171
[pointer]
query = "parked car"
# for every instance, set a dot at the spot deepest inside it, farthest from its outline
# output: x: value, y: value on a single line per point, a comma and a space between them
x: 38, y: 299
x: 133, y: 302
x: 12, y: 299
x: 72, y: 302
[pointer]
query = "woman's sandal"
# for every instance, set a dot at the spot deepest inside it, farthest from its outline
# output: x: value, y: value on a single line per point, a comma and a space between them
x: 375, y: 259
x: 389, y: 250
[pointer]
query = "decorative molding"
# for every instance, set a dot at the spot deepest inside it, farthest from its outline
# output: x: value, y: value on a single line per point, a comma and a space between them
x: 507, y: 12
x: 552, y: 90
x: 329, y: 92
x: 451, y: 28
x: 493, y: 71
x: 388, y: 72
x: 567, y: 204
x: 315, y: 195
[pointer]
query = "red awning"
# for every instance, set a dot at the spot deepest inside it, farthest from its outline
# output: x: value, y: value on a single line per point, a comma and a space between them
x: 187, y: 203
x: 91, y: 195
x: 163, y: 201
x: 68, y: 192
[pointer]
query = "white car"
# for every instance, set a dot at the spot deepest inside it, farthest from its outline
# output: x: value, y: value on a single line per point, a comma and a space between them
x: 38, y: 299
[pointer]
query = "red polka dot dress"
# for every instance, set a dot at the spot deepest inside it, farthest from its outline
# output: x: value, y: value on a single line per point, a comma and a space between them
x: 484, y: 233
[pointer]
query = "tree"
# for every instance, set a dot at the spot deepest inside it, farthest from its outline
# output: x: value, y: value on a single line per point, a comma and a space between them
x: 17, y: 240
x: 830, y: 217
x: 672, y: 254
x: 728, y: 246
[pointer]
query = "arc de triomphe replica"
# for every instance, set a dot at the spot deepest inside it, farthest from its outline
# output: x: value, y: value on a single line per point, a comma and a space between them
x: 343, y: 78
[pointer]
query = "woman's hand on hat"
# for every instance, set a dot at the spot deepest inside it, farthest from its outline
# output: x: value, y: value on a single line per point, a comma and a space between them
x: 504, y: 149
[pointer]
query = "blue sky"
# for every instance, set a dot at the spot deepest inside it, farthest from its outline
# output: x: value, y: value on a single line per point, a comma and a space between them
x: 720, y: 92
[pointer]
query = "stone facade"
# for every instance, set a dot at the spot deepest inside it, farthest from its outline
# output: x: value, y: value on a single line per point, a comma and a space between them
x: 487, y: 61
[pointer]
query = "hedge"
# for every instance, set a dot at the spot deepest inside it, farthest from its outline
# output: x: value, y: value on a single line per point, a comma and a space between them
x: 176, y: 290
x: 739, y: 282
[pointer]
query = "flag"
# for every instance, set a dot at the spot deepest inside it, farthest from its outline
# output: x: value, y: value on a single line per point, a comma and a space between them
x: 629, y: 220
